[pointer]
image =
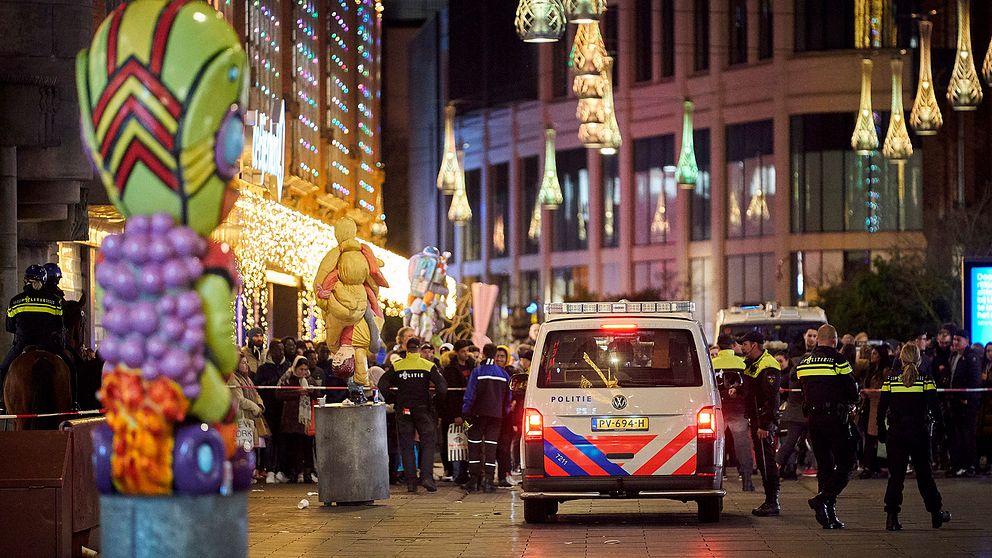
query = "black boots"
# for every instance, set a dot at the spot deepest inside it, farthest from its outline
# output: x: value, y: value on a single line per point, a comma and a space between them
x: 429, y: 484
x: 746, y: 484
x: 487, y: 484
x: 824, y: 508
x: 939, y: 518
x: 768, y: 508
x: 892, y: 522
x: 832, y: 515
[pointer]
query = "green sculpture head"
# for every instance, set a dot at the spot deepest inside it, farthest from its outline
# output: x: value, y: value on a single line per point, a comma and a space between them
x: 161, y: 91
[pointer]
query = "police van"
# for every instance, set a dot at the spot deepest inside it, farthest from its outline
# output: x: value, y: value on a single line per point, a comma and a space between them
x: 621, y: 403
x: 786, y: 324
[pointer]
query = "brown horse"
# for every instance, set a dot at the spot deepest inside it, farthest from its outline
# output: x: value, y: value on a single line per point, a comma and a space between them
x: 40, y: 382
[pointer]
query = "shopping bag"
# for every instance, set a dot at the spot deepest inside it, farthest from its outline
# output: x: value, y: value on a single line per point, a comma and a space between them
x: 312, y: 425
x: 245, y: 435
x: 457, y: 443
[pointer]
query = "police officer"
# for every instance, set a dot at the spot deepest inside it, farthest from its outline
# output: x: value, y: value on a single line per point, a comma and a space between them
x: 830, y: 393
x: 729, y: 369
x: 761, y: 400
x: 909, y: 402
x: 34, y: 317
x: 53, y: 274
x: 412, y: 376
x: 486, y: 403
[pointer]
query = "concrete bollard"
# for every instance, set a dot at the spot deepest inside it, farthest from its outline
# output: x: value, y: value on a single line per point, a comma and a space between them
x: 156, y: 526
x: 352, y: 455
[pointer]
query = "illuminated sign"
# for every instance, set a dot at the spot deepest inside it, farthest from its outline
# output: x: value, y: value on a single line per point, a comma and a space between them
x: 268, y: 147
x: 976, y: 276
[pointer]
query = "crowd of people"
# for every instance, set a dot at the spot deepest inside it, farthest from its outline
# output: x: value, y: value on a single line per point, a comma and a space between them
x: 428, y: 389
x: 772, y: 393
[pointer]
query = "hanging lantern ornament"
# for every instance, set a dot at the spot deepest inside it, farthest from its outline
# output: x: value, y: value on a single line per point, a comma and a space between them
x: 964, y: 91
x: 587, y: 60
x: 897, y: 144
x: 550, y: 196
x: 688, y: 171
x: 447, y: 177
x: 460, y: 212
x: 865, y: 138
x: 925, y: 117
x: 987, y: 66
x: 540, y: 21
x: 584, y: 11
x: 613, y: 139
x: 597, y: 134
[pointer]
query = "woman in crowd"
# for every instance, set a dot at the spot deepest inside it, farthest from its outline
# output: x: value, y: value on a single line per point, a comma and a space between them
x: 298, y: 446
x: 878, y: 370
x: 250, y: 409
x: 985, y: 415
x: 908, y: 403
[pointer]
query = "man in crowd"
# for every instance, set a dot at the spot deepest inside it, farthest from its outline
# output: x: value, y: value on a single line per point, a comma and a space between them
x: 809, y: 343
x: 761, y: 400
x: 412, y: 377
x: 487, y: 401
x: 830, y: 393
x: 268, y: 374
x: 965, y: 372
x: 729, y: 369
x: 254, y: 351
x: 456, y: 375
x: 525, y: 354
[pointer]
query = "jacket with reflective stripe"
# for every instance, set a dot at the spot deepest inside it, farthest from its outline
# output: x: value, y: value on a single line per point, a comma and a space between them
x: 911, y: 407
x: 412, y: 377
x: 761, y: 398
x: 826, y: 379
x: 488, y: 393
x: 34, y: 317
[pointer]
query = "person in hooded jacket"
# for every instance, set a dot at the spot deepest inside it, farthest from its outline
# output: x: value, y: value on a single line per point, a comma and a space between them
x: 268, y: 374
x: 487, y: 401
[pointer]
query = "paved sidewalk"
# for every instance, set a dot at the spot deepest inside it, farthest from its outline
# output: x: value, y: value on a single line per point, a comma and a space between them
x: 449, y: 523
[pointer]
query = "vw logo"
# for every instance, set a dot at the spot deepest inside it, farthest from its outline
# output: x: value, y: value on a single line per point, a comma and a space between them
x: 619, y: 402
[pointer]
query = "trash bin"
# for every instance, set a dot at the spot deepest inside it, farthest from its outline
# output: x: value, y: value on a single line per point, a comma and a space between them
x: 352, y: 456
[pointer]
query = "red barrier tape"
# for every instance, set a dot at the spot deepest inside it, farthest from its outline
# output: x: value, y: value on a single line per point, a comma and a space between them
x: 48, y: 415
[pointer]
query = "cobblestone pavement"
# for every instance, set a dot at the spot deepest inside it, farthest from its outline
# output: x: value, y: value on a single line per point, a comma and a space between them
x: 449, y: 523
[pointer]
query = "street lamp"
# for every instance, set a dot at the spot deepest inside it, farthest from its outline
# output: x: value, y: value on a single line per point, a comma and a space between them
x: 688, y: 171
x: 550, y: 196
x: 447, y: 175
x: 865, y: 138
x: 460, y: 212
x: 925, y: 118
x: 897, y: 144
x: 964, y: 91
x: 540, y: 21
x: 584, y: 11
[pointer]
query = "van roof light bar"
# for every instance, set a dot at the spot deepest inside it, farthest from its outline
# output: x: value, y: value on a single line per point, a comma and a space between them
x: 622, y: 307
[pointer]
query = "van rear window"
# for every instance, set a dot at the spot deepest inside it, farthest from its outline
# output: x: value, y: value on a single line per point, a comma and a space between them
x: 599, y: 358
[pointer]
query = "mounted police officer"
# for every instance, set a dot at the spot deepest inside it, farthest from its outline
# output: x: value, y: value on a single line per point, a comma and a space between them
x: 412, y: 376
x: 830, y: 394
x: 729, y: 369
x: 761, y: 400
x: 53, y: 274
x: 34, y: 317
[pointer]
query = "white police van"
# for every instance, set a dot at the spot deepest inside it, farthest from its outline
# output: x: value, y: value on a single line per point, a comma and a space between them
x: 621, y: 403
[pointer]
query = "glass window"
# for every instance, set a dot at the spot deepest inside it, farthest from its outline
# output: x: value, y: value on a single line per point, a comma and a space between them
x: 699, y: 201
x: 584, y: 359
x: 572, y: 217
x: 472, y: 231
x: 700, y: 275
x: 738, y: 32
x: 500, y: 320
x: 499, y: 188
x: 657, y: 276
x: 654, y: 189
x: 766, y: 30
x: 611, y: 201
x: 837, y: 190
x: 530, y: 288
x: 529, y: 222
x: 643, y: 17
x: 701, y: 36
x: 568, y: 282
x: 824, y: 25
x: 750, y: 278
x: 667, y: 38
x: 750, y: 180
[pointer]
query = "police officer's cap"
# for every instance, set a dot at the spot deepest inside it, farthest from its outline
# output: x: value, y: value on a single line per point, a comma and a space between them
x: 752, y: 336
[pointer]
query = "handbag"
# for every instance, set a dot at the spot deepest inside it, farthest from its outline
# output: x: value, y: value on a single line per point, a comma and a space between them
x: 457, y: 443
x: 245, y: 435
x: 312, y: 425
x: 262, y: 429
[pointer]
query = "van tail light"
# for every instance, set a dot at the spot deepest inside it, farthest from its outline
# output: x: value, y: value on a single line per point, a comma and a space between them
x: 706, y: 426
x: 533, y: 425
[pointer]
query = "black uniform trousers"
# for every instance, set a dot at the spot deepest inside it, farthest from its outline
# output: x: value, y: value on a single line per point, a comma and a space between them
x: 483, y: 438
x: 835, y: 449
x: 764, y: 458
x: 409, y: 423
x: 905, y: 444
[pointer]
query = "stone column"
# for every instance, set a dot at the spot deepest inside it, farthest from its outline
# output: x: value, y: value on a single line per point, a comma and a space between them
x: 8, y: 235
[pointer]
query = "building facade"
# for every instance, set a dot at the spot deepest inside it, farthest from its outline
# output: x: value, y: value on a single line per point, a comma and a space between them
x: 782, y: 207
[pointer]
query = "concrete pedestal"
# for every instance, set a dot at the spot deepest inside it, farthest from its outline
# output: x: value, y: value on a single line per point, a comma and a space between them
x: 156, y: 526
x: 352, y: 455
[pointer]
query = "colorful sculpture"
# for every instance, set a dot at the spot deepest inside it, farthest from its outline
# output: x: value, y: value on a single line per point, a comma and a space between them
x: 161, y: 91
x: 347, y: 286
x: 426, y: 302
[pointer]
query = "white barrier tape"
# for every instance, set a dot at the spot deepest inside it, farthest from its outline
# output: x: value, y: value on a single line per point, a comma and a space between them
x: 49, y: 415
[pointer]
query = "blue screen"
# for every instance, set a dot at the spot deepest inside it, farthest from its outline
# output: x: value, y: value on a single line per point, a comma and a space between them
x: 980, y: 311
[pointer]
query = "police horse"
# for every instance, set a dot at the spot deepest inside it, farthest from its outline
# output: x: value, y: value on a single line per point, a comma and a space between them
x: 41, y: 382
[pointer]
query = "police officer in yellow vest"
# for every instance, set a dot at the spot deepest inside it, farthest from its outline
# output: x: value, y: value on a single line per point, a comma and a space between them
x: 830, y: 393
x: 761, y: 400
x: 909, y: 404
x: 729, y: 370
x: 34, y: 317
